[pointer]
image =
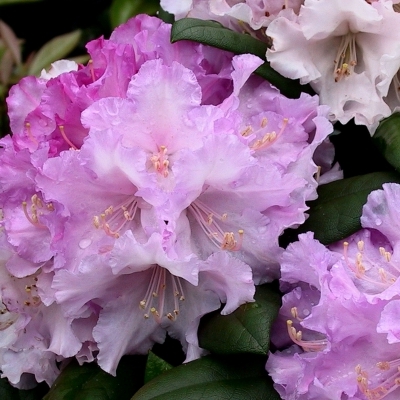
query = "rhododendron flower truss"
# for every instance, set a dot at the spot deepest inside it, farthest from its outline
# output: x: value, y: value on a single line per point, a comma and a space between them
x: 348, y: 51
x: 341, y: 311
x: 156, y: 192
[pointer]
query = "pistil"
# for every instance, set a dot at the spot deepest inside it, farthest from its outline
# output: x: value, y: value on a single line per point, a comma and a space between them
x: 346, y: 58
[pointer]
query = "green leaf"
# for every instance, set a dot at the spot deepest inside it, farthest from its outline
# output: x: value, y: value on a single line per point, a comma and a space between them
x: 387, y: 139
x: 246, y: 330
x: 154, y: 367
x: 122, y: 10
x: 8, y: 392
x: 212, y: 377
x: 90, y: 382
x: 214, y: 34
x: 336, y: 213
x: 54, y: 50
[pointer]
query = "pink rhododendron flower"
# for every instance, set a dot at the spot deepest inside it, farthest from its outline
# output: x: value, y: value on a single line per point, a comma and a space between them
x: 348, y: 51
x: 154, y: 183
x: 341, y: 311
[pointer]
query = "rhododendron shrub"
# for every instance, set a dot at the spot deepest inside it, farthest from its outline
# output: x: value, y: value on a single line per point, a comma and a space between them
x: 338, y: 326
x: 141, y: 192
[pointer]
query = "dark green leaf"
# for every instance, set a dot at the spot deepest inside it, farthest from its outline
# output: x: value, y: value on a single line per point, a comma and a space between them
x: 337, y: 211
x: 89, y: 382
x: 213, y: 377
x: 154, y: 367
x: 246, y: 330
x: 387, y: 139
x: 8, y: 392
x: 214, y: 34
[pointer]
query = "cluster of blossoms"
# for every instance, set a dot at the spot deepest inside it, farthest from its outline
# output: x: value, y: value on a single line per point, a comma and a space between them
x: 349, y: 51
x: 141, y: 192
x: 338, y: 328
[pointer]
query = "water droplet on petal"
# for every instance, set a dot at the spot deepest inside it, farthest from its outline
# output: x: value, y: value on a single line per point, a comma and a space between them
x: 84, y: 243
x: 378, y: 222
x: 306, y: 312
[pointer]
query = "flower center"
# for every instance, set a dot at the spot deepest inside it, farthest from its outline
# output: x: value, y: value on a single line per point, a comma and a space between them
x: 368, y: 271
x: 267, y: 138
x: 389, y: 376
x: 36, y: 209
x: 208, y: 221
x: 113, y: 219
x: 306, y: 345
x: 154, y: 301
x: 346, y: 58
x: 160, y: 161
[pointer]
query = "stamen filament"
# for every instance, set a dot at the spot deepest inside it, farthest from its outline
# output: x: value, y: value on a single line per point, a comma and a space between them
x: 61, y: 127
x: 346, y: 58
x: 205, y: 217
x: 157, y: 289
x: 306, y: 345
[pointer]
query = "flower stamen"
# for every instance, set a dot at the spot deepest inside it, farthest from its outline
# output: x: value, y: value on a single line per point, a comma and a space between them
x: 346, y: 58
x: 65, y: 137
x: 160, y: 161
x: 268, y: 137
x: 206, y: 218
x: 157, y: 290
x: 374, y: 274
x: 306, y: 345
x: 119, y: 215
x: 387, y: 385
x: 36, y: 209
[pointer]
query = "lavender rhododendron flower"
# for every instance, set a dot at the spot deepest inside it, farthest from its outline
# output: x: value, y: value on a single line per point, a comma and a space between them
x: 146, y: 189
x: 341, y: 311
x: 348, y: 51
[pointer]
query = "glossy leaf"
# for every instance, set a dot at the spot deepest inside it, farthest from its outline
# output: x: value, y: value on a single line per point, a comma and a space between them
x: 155, y: 366
x: 246, y: 330
x: 54, y: 50
x: 213, y: 377
x: 387, y: 139
x: 122, y: 10
x: 8, y: 392
x: 337, y: 211
x: 214, y: 34
x: 90, y: 382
